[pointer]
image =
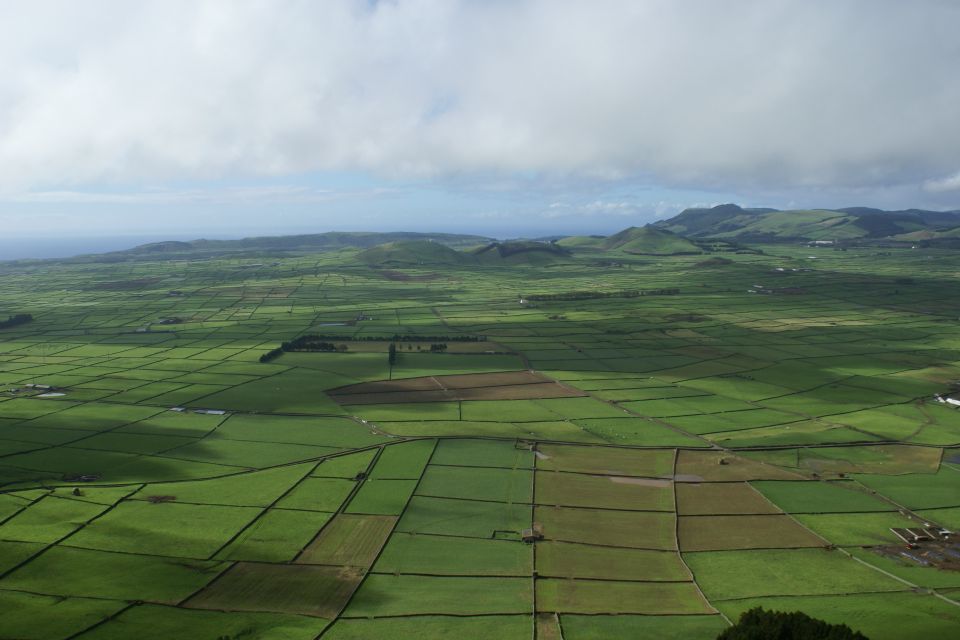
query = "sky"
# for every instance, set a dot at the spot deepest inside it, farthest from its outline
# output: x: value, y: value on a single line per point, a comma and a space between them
x: 226, y: 118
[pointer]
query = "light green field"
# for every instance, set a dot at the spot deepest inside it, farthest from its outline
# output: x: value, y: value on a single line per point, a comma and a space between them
x: 508, y: 627
x: 607, y: 596
x: 440, y: 595
x: 442, y: 555
x: 700, y: 627
x: 731, y: 575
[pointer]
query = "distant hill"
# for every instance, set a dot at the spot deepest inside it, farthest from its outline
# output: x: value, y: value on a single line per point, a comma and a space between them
x: 649, y: 241
x: 770, y: 225
x: 281, y: 245
x: 582, y: 242
x: 520, y: 252
x: 337, y: 240
x: 168, y: 246
x: 426, y: 252
x: 413, y: 252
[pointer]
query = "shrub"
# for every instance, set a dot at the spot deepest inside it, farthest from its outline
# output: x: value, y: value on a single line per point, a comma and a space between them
x: 760, y: 624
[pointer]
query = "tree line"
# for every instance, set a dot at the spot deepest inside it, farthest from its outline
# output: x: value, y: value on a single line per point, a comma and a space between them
x: 398, y: 337
x: 591, y: 295
x: 320, y: 343
x: 760, y: 624
x: 309, y: 342
x: 14, y: 320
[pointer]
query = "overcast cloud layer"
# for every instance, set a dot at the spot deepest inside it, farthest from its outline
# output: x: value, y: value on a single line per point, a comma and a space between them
x: 765, y: 96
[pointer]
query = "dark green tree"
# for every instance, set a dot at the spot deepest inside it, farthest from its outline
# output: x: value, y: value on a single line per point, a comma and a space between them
x: 760, y: 624
x: 392, y: 354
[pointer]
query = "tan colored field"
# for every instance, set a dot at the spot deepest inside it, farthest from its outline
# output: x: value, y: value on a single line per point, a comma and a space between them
x: 381, y: 346
x: 579, y: 490
x: 509, y: 385
x: 606, y: 460
x: 548, y: 627
x: 720, y: 498
x: 718, y: 533
x: 349, y: 540
x: 719, y: 466
x: 888, y: 459
x: 607, y: 596
x: 571, y: 560
x: 306, y: 590
x: 634, y: 529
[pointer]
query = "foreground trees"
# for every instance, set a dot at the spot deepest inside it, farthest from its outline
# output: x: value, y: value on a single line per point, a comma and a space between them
x: 760, y: 624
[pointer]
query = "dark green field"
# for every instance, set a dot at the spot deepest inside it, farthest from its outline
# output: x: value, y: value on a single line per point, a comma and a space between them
x: 740, y: 432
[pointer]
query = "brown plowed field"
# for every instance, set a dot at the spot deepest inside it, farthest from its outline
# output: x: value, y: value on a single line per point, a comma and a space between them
x: 508, y: 385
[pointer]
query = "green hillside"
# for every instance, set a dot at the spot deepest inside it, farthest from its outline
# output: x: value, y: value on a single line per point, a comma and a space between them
x: 413, y: 252
x: 278, y: 246
x: 928, y: 234
x: 582, y: 242
x: 521, y: 252
x: 650, y: 241
x: 770, y: 225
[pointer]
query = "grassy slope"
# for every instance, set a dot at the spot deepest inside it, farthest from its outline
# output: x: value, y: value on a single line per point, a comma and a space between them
x: 649, y: 240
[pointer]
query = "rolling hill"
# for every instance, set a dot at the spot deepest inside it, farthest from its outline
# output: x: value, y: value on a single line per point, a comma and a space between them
x: 771, y: 225
x: 521, y: 252
x: 412, y: 252
x: 582, y: 242
x: 649, y: 241
x: 276, y: 246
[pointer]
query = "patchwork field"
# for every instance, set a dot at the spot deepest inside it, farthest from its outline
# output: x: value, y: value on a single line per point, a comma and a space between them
x: 575, y: 466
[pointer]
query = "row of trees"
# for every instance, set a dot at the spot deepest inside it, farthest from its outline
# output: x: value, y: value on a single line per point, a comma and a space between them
x: 592, y: 295
x: 310, y: 342
x: 314, y: 342
x: 18, y: 319
x: 392, y: 351
x: 437, y: 347
x: 398, y: 337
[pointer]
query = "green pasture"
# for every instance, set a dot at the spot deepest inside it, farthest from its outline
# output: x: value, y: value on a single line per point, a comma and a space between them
x: 609, y: 596
x: 477, y: 483
x: 623, y: 627
x: 570, y: 560
x: 733, y: 575
x: 447, y: 555
x: 507, y: 627
x: 424, y: 595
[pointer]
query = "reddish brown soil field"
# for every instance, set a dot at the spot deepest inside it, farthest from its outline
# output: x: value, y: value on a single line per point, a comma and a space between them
x: 509, y: 385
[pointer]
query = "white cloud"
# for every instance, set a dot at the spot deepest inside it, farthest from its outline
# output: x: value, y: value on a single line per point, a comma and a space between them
x: 738, y: 94
x: 950, y: 183
x: 231, y: 195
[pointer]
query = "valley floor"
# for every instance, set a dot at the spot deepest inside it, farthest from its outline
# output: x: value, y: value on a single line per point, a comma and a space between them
x: 639, y: 448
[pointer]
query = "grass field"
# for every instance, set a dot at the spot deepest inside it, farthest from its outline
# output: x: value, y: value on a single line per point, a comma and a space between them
x: 732, y: 575
x: 607, y: 596
x: 681, y: 454
x: 300, y: 589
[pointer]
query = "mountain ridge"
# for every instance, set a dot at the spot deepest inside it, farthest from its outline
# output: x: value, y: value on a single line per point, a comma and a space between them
x: 731, y: 221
